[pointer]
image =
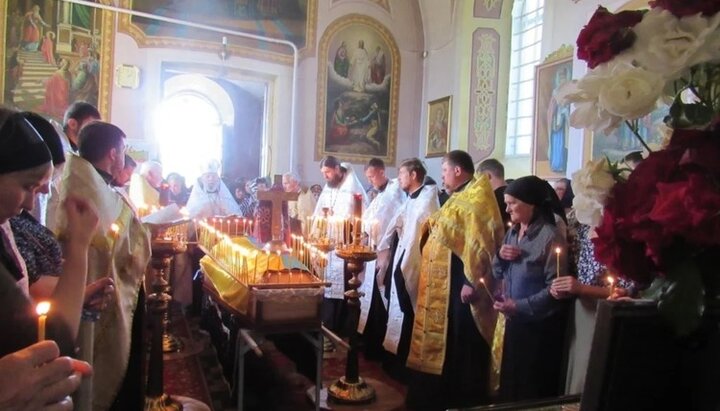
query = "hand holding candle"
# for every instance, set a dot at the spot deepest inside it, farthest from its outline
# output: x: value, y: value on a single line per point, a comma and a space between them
x: 611, y: 285
x: 487, y: 290
x: 557, y: 261
x: 42, y: 309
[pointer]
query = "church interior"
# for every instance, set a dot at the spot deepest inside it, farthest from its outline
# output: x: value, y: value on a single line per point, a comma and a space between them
x: 360, y: 204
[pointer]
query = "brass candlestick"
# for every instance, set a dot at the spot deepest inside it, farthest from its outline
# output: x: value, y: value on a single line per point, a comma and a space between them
x: 163, y: 250
x: 352, y: 389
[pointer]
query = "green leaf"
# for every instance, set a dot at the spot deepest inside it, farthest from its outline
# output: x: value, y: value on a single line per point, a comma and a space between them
x: 682, y: 300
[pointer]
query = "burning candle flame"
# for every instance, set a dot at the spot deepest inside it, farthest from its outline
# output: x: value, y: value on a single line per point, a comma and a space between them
x: 42, y: 308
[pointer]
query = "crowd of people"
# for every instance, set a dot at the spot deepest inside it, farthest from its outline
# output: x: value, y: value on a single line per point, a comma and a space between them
x: 468, y: 301
x: 484, y: 289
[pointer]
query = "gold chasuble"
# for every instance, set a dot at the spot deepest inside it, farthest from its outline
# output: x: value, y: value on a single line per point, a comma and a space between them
x: 123, y: 256
x: 469, y: 226
x: 142, y: 193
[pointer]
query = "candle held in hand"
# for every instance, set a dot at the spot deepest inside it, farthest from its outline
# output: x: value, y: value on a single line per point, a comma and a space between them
x: 42, y: 309
x: 557, y: 261
x: 487, y: 290
x: 611, y: 284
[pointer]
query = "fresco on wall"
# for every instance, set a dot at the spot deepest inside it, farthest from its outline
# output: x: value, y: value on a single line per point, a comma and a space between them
x: 53, y: 54
x: 621, y: 141
x: 291, y: 20
x: 552, y: 125
x: 357, y: 91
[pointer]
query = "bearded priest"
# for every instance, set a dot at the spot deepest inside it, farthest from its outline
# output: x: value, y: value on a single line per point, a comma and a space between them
x: 336, y: 200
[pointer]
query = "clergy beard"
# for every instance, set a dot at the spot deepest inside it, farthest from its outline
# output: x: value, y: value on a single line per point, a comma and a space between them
x: 336, y: 180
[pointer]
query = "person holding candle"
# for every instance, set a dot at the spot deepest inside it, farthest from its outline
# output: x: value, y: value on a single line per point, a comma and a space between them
x: 590, y: 286
x: 37, y: 245
x: 536, y: 322
x: 25, y: 170
x: 118, y: 347
x: 454, y: 321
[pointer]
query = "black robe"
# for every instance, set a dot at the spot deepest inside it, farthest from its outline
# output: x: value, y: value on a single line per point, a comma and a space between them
x: 464, y: 380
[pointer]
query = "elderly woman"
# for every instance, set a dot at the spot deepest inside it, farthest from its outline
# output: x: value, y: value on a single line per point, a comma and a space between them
x: 527, y: 262
x: 25, y: 170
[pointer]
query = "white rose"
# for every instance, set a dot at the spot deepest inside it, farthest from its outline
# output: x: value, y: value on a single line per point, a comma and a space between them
x: 584, y: 95
x: 667, y: 45
x: 593, y: 181
x: 631, y: 92
x: 588, y: 211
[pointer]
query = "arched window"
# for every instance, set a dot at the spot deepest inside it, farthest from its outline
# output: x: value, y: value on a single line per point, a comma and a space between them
x: 189, y: 134
x: 527, y: 19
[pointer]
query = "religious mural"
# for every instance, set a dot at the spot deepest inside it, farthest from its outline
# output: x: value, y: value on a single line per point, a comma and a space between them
x: 53, y: 56
x: 290, y: 20
x: 357, y: 91
x: 621, y: 141
x: 552, y: 119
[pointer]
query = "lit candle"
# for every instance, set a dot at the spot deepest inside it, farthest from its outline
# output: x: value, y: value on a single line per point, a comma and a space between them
x: 611, y: 284
x: 487, y: 290
x: 42, y: 309
x: 557, y: 261
x: 279, y: 260
x: 114, y: 233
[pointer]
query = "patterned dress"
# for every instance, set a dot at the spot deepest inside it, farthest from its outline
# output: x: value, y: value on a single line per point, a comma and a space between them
x: 38, y: 247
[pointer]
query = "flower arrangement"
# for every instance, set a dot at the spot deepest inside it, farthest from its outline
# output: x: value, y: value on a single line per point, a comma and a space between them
x: 660, y: 224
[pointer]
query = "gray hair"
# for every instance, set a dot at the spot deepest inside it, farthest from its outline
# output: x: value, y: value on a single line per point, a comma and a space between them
x: 292, y: 176
x: 149, y: 166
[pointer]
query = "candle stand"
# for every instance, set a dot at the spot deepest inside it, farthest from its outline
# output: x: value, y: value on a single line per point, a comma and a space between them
x: 163, y: 250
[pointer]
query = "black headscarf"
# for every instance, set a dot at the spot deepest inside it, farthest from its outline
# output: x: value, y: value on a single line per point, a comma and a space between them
x: 21, y: 146
x: 535, y: 191
x: 49, y: 135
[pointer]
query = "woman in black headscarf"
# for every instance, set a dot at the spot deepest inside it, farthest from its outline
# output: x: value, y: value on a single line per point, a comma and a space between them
x: 527, y: 263
x: 25, y: 169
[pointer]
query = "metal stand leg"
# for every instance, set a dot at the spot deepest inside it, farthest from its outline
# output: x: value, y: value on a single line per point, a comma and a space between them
x: 240, y: 350
x: 318, y: 344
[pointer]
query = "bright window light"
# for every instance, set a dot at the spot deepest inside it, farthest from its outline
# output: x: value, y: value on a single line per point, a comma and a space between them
x: 189, y: 134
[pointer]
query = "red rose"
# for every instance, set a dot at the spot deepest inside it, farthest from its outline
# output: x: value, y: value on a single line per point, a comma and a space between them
x: 606, y: 35
x: 682, y: 8
x: 625, y: 257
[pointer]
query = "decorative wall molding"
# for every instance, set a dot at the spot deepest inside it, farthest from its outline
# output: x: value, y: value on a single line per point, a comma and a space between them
x: 382, y: 3
x: 565, y: 51
x: 483, y: 92
x: 238, y: 46
x: 488, y: 9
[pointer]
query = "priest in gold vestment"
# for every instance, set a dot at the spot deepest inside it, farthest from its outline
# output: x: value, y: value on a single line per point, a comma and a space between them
x: 121, y: 254
x: 454, y: 319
